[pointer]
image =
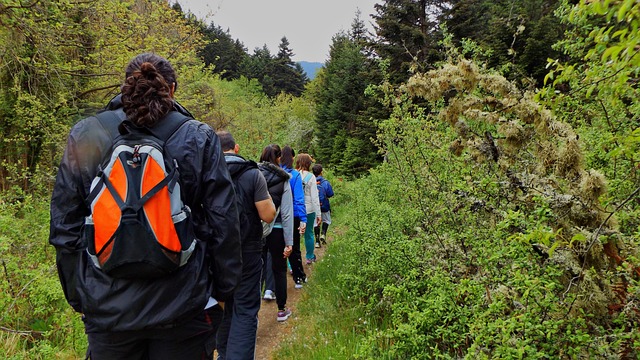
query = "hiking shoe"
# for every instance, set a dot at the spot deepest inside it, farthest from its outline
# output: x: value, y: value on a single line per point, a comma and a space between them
x: 283, y: 315
x: 298, y: 284
x: 323, y: 240
x: 317, y: 244
x: 269, y: 295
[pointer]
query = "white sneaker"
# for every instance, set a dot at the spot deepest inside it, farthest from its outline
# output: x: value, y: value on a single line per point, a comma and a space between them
x: 269, y: 295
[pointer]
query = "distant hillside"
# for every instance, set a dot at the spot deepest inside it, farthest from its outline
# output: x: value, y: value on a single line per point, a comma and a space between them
x: 310, y: 68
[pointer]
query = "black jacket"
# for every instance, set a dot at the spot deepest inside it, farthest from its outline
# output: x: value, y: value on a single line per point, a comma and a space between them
x: 215, y: 267
x: 244, y: 175
x: 276, y: 178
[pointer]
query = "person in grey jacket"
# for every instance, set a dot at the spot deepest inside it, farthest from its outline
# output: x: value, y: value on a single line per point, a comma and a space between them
x: 280, y: 241
x: 165, y: 317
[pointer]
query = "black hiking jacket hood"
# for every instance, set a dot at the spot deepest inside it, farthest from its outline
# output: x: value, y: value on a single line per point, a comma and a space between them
x: 276, y: 178
x: 244, y: 172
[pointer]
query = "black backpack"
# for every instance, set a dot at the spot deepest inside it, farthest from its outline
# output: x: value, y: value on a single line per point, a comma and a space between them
x: 239, y: 168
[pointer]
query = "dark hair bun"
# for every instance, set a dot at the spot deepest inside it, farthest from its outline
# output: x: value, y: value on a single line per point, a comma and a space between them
x: 148, y: 70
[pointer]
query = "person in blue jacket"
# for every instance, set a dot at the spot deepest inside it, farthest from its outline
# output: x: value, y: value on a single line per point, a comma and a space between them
x: 325, y: 191
x: 299, y: 215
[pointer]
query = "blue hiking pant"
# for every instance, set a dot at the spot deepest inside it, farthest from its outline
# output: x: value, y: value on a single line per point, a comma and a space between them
x: 236, y: 338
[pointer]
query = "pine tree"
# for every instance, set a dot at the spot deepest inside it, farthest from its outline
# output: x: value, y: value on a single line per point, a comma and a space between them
x: 407, y: 35
x: 519, y: 34
x: 260, y: 66
x: 224, y: 53
x: 343, y: 134
x: 289, y: 76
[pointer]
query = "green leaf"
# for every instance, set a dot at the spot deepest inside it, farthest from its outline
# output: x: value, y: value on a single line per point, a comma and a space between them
x: 622, y: 12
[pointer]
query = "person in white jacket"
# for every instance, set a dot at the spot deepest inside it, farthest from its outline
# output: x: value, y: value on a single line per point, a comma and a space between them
x: 311, y: 201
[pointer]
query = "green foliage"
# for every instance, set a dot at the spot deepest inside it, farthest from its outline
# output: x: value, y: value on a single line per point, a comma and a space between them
x: 596, y: 89
x: 36, y: 321
x: 482, y: 235
x: 60, y: 58
x: 344, y: 126
x: 277, y: 74
x: 222, y: 52
x: 407, y: 35
x: 518, y: 35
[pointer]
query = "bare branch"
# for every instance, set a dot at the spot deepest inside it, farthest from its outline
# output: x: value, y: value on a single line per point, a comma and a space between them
x: 97, y: 89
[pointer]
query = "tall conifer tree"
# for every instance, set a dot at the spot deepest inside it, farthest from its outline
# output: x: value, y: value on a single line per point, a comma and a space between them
x: 343, y: 132
x: 407, y: 34
x: 223, y: 52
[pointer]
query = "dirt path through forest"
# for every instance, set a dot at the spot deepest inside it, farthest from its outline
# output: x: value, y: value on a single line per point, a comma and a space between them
x: 270, y: 331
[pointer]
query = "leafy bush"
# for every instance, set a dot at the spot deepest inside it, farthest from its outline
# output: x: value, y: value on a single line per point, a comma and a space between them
x: 484, y: 235
x: 37, y: 322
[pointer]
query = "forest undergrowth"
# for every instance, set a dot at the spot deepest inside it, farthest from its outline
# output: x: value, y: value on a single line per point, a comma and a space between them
x: 503, y: 223
x: 485, y: 234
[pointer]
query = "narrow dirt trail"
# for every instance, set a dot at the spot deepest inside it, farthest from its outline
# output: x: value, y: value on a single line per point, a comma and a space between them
x: 270, y: 331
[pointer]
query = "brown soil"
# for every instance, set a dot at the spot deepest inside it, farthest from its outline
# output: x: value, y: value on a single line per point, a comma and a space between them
x: 270, y: 331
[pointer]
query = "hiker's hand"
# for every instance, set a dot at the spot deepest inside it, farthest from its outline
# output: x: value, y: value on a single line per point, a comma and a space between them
x: 318, y: 220
x: 287, y: 251
x: 303, y: 227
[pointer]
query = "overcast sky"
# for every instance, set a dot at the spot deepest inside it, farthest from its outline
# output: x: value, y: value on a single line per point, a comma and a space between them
x: 308, y: 25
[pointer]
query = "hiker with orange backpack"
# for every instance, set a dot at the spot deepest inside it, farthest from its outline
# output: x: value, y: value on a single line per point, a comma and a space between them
x: 236, y: 338
x: 325, y: 191
x: 144, y: 222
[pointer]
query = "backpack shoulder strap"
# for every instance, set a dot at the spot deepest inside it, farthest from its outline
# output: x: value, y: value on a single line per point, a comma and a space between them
x: 249, y: 164
x: 307, y: 178
x: 162, y: 130
x: 169, y: 125
x: 110, y: 122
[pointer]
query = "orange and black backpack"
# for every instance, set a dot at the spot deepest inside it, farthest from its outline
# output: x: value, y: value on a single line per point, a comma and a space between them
x: 139, y: 226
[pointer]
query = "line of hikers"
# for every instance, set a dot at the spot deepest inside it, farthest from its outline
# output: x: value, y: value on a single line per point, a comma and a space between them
x: 161, y: 229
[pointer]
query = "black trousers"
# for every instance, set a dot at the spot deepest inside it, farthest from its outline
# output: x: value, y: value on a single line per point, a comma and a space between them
x: 236, y: 337
x: 275, y: 245
x: 295, y: 259
x: 192, y: 340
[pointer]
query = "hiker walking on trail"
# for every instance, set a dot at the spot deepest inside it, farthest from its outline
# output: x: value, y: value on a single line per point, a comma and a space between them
x: 312, y: 204
x: 299, y: 215
x: 144, y: 222
x: 236, y: 337
x: 325, y: 191
x: 279, y: 242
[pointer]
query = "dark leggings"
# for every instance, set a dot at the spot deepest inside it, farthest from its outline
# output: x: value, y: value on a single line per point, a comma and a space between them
x: 316, y: 230
x: 275, y: 245
x: 295, y: 259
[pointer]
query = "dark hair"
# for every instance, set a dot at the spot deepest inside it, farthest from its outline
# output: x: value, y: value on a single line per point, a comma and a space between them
x: 317, y: 170
x: 303, y: 161
x: 226, y: 140
x: 287, y: 156
x: 146, y: 92
x: 271, y: 153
